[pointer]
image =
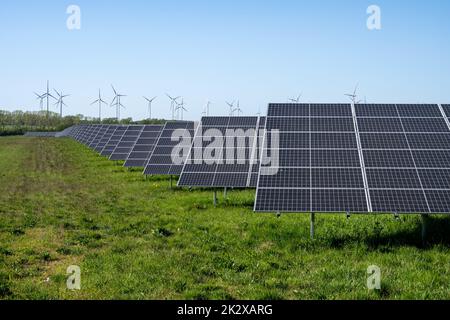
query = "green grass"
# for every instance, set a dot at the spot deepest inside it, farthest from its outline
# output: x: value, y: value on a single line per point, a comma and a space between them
x: 61, y: 204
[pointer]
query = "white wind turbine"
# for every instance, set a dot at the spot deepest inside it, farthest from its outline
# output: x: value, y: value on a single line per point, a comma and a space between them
x: 181, y: 108
x: 41, y: 102
x: 296, y: 100
x: 100, y: 102
x: 238, y: 109
x: 206, y: 111
x: 353, y: 96
x: 231, y: 105
x: 116, y: 102
x: 47, y: 95
x: 60, y: 101
x: 150, y: 101
x: 173, y: 102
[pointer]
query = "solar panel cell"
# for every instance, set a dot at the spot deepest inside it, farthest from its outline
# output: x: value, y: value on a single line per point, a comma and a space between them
x: 283, y: 200
x: 335, y: 158
x: 333, y: 141
x: 429, y: 141
x: 388, y: 159
x: 425, y: 125
x: 438, y: 200
x: 332, y: 125
x: 419, y: 110
x: 288, y: 110
x: 393, y: 179
x: 384, y: 125
x: 288, y: 124
x: 333, y: 200
x: 432, y: 158
x: 383, y: 141
x: 435, y: 178
x: 286, y: 178
x: 333, y: 110
x: 402, y: 201
x: 376, y: 110
x: 337, y: 178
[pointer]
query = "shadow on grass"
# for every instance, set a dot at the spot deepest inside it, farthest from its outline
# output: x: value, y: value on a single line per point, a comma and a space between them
x: 438, y: 233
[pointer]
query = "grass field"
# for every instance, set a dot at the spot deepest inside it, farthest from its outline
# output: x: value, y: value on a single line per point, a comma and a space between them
x: 61, y: 204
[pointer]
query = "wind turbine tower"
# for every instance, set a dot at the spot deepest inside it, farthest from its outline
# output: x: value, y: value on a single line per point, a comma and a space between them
x: 60, y: 101
x: 150, y: 101
x: 100, y: 102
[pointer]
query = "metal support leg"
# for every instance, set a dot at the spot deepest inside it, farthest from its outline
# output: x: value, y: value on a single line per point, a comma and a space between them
x: 311, y: 230
x: 225, y: 192
x: 215, y: 198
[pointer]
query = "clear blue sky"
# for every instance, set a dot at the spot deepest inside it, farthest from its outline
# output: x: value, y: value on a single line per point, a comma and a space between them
x: 258, y: 51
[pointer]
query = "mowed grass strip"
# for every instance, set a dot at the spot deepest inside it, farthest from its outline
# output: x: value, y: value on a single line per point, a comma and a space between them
x: 61, y: 204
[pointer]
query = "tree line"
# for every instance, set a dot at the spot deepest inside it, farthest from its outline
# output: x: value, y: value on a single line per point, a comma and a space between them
x: 19, y: 122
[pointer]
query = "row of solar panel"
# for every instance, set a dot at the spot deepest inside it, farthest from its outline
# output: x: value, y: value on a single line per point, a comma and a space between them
x: 327, y: 158
x: 361, y: 110
x: 152, y: 147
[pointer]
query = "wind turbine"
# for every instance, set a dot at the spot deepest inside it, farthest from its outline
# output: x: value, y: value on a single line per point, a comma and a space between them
x: 47, y: 95
x: 231, y: 105
x: 181, y: 108
x: 150, y: 101
x: 296, y: 100
x: 173, y: 101
x: 238, y: 109
x: 99, y: 101
x: 118, y: 104
x: 206, y: 111
x: 41, y: 102
x: 60, y: 101
x: 354, y: 96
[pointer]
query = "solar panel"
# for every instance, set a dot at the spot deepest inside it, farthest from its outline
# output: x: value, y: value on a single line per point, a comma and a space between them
x: 171, y: 149
x: 406, y: 170
x: 225, y: 153
x: 84, y: 132
x: 109, y: 147
x: 366, y: 158
x: 126, y: 143
x: 144, y: 146
x: 97, y: 129
x: 105, y: 138
x: 99, y: 135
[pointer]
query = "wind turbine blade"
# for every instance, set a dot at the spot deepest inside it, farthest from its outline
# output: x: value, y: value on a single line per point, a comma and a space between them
x: 115, y: 92
x: 96, y: 101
